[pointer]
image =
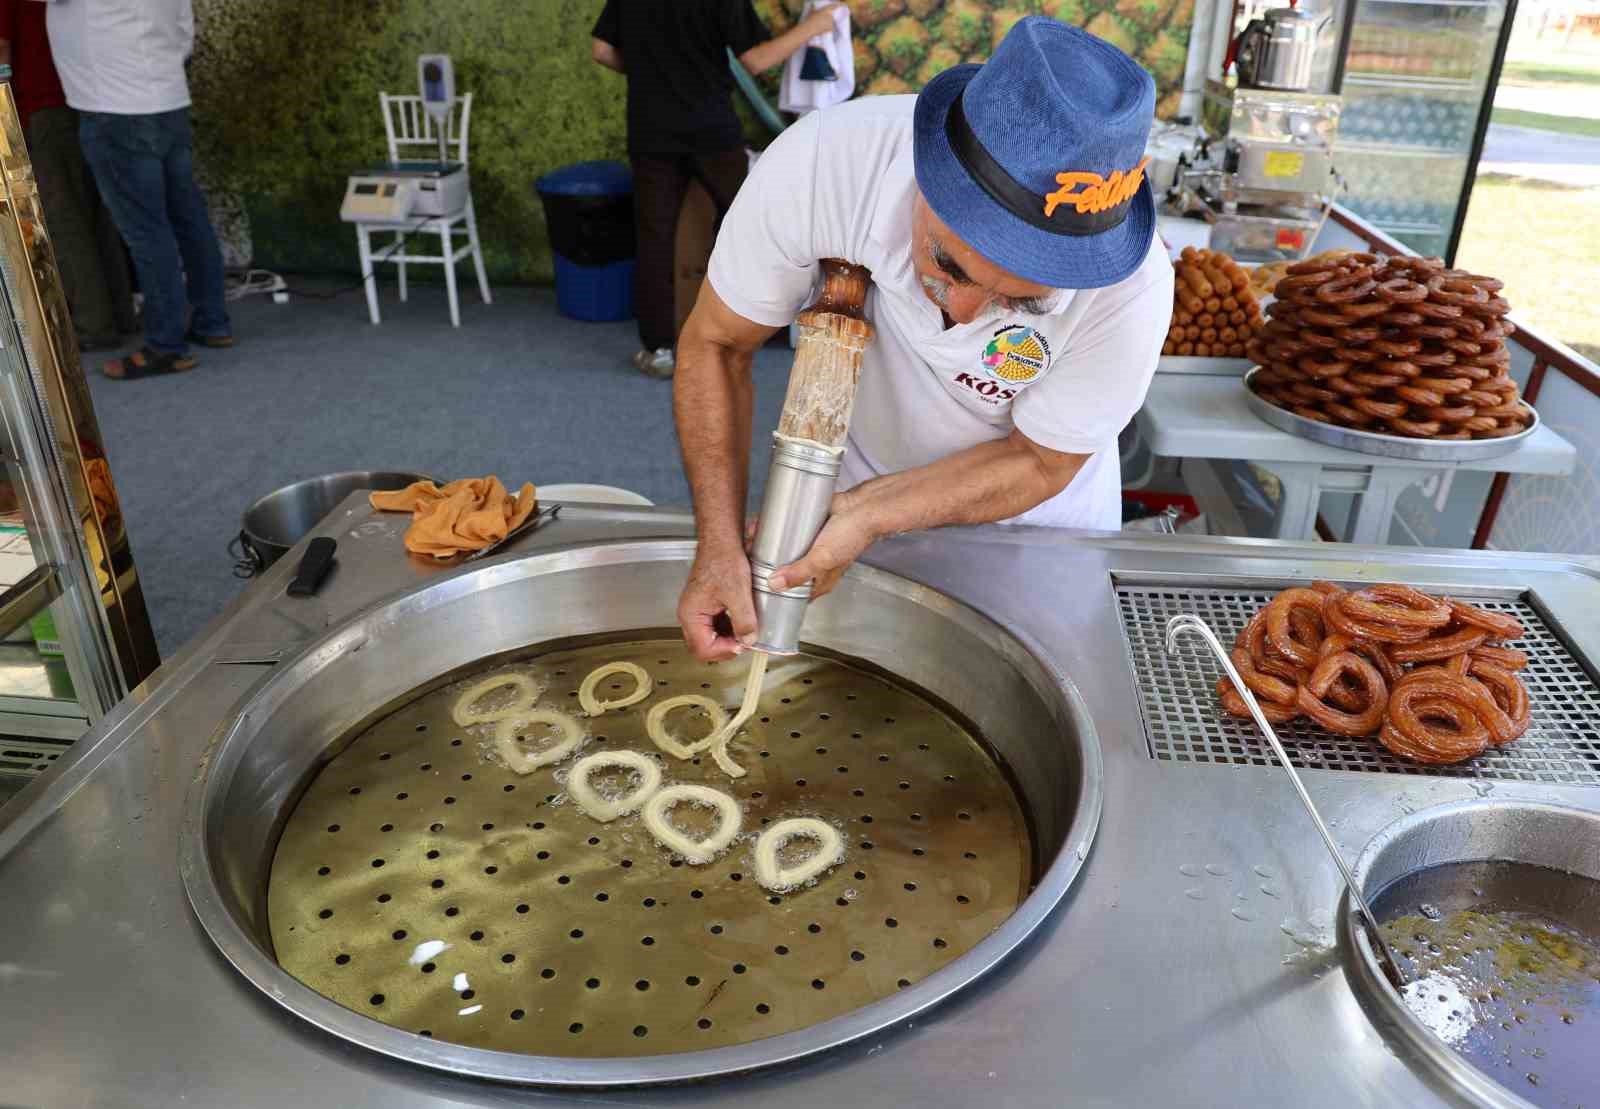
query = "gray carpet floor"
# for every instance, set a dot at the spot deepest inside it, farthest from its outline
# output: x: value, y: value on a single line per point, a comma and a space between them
x: 312, y: 387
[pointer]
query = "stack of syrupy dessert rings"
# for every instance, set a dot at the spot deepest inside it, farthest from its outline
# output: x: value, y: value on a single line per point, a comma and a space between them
x: 1393, y: 346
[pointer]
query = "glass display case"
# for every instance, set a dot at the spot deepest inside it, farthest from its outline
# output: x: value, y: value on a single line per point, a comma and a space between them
x: 74, y: 634
x: 1417, y: 84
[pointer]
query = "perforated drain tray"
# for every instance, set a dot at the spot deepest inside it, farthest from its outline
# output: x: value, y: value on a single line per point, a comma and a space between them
x: 1178, y: 703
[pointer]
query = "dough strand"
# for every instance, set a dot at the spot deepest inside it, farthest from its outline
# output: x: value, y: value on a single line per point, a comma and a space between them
x: 601, y: 809
x: 694, y: 852
x: 593, y: 706
x: 747, y: 709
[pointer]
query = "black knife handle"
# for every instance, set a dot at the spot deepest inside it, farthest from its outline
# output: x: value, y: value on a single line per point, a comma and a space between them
x: 314, y: 566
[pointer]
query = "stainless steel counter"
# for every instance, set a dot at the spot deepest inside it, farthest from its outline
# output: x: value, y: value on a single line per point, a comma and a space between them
x: 1193, y: 963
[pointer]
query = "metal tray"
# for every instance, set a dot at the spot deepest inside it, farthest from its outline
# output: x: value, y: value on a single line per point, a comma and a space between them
x: 1207, y: 367
x: 1385, y: 446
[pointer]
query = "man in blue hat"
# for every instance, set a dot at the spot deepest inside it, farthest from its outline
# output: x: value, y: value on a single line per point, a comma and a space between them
x: 1019, y: 295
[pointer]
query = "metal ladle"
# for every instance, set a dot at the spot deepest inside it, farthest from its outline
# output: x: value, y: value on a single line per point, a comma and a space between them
x: 1190, y: 623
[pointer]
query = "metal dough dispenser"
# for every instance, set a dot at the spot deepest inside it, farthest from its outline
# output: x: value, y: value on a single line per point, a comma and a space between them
x: 808, y: 447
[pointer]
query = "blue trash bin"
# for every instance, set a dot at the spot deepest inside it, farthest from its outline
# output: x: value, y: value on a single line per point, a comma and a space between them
x: 588, y: 208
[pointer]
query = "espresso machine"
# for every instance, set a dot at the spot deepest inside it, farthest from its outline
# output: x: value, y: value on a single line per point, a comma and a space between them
x: 1262, y: 172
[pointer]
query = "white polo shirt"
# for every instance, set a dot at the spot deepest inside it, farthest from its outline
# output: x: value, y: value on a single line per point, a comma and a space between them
x: 840, y: 184
x: 122, y: 56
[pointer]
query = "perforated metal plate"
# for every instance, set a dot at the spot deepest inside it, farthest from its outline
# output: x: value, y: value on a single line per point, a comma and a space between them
x: 1184, y: 724
x: 420, y: 882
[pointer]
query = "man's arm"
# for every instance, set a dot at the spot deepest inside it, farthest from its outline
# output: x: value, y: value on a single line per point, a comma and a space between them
x: 606, y: 54
x: 776, y: 51
x: 988, y: 482
x: 711, y: 402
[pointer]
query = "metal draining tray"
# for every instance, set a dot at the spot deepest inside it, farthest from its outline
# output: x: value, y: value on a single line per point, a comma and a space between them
x: 1182, y: 722
x: 422, y: 883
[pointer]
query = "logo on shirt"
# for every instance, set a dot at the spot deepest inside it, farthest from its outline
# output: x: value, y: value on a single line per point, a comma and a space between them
x: 1017, y: 354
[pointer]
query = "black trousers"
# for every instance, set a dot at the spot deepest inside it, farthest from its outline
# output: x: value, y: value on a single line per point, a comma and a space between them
x: 659, y: 182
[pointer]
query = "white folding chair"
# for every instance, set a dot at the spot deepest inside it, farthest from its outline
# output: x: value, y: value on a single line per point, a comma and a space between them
x: 412, y: 133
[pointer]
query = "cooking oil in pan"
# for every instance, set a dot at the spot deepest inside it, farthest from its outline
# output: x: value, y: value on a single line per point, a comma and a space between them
x: 422, y: 883
x: 1503, y: 963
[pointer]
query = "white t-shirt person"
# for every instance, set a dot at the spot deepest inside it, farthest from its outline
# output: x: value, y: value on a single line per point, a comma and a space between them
x: 839, y: 184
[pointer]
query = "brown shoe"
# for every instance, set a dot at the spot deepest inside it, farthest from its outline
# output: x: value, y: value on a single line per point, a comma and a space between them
x: 215, y: 342
x: 147, y: 363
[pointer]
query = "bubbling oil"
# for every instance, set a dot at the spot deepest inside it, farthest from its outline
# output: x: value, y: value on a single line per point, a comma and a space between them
x: 1502, y: 962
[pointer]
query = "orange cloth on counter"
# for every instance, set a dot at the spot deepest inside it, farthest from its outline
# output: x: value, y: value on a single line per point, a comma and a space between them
x: 464, y: 516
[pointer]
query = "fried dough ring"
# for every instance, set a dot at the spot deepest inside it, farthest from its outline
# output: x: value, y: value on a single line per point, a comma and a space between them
x: 1397, y: 605
x: 1335, y: 668
x: 1507, y: 658
x: 694, y: 852
x: 1281, y: 632
x: 1437, y: 647
x: 1374, y: 653
x: 593, y: 706
x: 779, y: 879
x: 1336, y: 619
x: 1498, y: 624
x: 508, y: 731
x: 1433, y: 682
x: 528, y: 692
x: 1509, y: 694
x: 1233, y: 704
x: 593, y: 805
x: 1437, y: 747
x: 655, y: 725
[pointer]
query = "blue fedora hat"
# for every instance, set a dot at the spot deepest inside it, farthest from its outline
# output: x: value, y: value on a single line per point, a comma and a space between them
x: 1035, y: 158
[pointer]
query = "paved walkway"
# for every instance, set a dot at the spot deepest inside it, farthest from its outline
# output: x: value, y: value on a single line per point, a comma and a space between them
x: 1546, y: 155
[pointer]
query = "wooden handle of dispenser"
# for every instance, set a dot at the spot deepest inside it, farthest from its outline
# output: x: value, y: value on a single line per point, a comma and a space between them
x: 844, y: 289
x: 827, y: 358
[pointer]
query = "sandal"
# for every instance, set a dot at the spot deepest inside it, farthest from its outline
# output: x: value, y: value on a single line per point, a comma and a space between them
x: 215, y: 342
x: 147, y: 363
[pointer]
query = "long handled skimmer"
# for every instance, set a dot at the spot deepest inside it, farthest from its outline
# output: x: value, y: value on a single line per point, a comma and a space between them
x: 1176, y: 627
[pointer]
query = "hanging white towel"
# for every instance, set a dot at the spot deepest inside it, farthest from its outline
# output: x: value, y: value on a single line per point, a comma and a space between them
x: 796, y: 94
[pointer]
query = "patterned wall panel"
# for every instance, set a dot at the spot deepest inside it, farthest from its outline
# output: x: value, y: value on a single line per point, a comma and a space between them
x: 286, y: 97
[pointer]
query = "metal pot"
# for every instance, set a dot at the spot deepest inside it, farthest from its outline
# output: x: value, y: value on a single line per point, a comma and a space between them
x: 282, y: 518
x: 1277, y: 51
x: 303, y: 716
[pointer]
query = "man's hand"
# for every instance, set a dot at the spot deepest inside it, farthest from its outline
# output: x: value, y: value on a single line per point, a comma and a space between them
x: 843, y: 539
x: 719, y: 584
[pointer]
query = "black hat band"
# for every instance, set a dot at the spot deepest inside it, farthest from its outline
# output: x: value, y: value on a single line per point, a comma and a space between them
x: 1018, y: 199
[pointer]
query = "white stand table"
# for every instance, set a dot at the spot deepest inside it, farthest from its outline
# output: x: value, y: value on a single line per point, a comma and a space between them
x: 1189, y: 416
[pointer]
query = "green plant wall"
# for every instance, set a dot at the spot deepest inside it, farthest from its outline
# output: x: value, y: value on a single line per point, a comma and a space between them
x: 286, y: 96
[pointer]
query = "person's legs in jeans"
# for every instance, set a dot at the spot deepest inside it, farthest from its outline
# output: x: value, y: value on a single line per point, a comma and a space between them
x: 659, y: 181
x: 69, y: 201
x: 127, y: 154
x: 197, y: 239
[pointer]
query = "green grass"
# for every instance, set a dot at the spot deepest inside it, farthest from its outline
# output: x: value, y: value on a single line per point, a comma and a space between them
x: 1567, y: 125
x: 1543, y: 241
x: 1542, y: 73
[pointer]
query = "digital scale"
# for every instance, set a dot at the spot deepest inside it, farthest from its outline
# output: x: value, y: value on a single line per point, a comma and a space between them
x: 399, y: 191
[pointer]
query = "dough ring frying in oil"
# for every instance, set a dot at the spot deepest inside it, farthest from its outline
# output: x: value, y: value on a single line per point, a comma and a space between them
x: 528, y: 690
x: 655, y: 725
x: 593, y: 706
x: 694, y: 852
x: 779, y: 879
x: 601, y: 809
x: 523, y: 761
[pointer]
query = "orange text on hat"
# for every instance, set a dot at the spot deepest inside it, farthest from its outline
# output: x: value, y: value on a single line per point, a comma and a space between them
x: 1096, y: 193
